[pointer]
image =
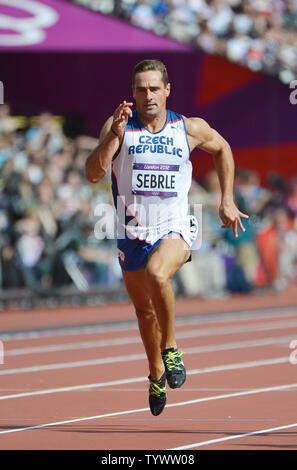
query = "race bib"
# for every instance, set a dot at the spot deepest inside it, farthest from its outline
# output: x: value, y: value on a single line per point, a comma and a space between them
x: 155, y: 179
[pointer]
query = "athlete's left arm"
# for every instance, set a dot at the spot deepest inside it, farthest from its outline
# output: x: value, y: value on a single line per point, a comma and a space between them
x: 201, y: 135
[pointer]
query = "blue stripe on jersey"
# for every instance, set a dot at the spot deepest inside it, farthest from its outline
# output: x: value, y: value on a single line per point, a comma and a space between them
x: 114, y: 188
x: 173, y: 117
x: 187, y: 139
x: 133, y: 123
x: 115, y: 194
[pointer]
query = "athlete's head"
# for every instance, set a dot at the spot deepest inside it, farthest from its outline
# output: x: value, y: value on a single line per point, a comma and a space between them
x: 150, y: 87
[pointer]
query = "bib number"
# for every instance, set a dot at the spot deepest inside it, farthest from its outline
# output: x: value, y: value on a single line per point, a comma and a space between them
x: 154, y: 179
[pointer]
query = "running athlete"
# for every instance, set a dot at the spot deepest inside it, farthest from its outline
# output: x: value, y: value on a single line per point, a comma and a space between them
x: 148, y: 149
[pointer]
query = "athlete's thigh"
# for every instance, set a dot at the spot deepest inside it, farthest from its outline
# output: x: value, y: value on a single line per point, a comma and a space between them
x: 138, y: 289
x: 168, y: 257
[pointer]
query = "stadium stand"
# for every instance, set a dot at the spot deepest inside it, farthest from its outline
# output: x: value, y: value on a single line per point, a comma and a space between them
x: 259, y: 34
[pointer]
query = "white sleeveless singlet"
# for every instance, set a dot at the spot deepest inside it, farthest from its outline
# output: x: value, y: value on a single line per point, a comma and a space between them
x: 151, y: 178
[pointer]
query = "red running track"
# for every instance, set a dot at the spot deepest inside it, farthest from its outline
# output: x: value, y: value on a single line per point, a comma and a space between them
x: 77, y: 378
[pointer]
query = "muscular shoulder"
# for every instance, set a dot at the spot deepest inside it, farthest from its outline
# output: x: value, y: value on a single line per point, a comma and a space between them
x: 198, y: 130
x: 201, y: 135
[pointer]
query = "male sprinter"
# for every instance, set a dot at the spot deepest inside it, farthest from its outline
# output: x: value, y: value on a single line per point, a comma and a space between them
x: 149, y: 152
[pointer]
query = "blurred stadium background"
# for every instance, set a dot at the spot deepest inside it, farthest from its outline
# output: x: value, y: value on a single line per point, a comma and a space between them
x: 66, y: 65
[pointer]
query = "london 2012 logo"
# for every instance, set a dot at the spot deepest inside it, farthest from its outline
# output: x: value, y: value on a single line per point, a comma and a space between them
x: 29, y: 28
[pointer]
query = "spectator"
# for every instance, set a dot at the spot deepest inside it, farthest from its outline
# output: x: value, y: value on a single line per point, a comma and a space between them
x: 292, y: 198
x: 7, y: 123
x: 286, y: 232
x: 45, y: 133
x: 29, y: 249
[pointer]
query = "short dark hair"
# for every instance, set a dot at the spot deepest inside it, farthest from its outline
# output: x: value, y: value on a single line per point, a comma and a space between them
x: 151, y: 64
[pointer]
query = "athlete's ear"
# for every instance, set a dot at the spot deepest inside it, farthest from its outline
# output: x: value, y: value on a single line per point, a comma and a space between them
x: 168, y: 90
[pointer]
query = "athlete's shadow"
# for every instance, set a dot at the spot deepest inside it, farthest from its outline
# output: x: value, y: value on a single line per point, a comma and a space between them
x: 116, y: 429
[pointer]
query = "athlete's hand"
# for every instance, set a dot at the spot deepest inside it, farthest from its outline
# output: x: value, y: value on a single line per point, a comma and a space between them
x: 231, y: 217
x: 120, y: 117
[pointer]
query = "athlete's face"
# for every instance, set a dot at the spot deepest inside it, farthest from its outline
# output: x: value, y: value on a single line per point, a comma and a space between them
x: 150, y: 93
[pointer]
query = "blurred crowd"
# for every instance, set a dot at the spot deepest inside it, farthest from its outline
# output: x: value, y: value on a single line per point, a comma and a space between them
x: 47, y: 209
x: 265, y: 254
x: 259, y: 34
x: 48, y: 217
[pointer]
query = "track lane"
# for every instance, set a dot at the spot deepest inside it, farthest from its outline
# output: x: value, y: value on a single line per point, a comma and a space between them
x: 163, y: 431
x: 40, y: 409
x: 14, y: 354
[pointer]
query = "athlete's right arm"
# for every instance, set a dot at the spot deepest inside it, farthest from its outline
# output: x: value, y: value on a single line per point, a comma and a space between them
x: 98, y: 161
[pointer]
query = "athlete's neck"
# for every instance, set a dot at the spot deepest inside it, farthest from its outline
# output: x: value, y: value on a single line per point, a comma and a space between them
x: 154, y: 123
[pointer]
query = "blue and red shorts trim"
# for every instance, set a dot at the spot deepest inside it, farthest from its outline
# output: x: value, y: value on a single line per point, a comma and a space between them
x: 134, y: 253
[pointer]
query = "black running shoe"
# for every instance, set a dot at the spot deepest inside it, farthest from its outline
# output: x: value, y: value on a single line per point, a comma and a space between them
x: 157, y: 394
x: 174, y: 367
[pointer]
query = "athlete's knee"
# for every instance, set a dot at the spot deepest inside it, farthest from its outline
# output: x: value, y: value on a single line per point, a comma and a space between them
x: 157, y: 275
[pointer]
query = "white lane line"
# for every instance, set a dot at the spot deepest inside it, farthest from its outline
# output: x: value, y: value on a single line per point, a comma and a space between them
x: 222, y: 420
x: 196, y: 333
x: 72, y: 346
x: 241, y: 365
x: 184, y: 403
x: 69, y: 365
x: 235, y: 366
x: 237, y: 436
x: 239, y: 316
x: 136, y: 357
